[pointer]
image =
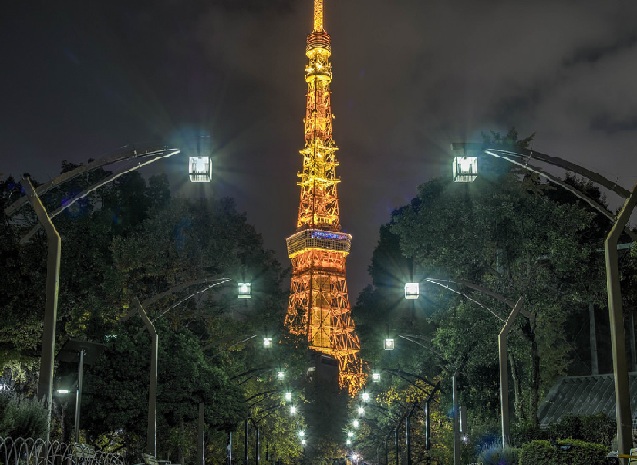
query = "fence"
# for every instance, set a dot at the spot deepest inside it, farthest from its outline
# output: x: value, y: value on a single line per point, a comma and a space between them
x: 30, y: 451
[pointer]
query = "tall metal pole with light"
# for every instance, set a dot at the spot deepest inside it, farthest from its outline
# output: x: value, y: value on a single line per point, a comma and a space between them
x: 613, y: 288
x: 54, y: 244
x: 412, y: 291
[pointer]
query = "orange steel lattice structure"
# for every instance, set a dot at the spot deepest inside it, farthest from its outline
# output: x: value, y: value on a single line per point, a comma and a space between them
x: 319, y: 305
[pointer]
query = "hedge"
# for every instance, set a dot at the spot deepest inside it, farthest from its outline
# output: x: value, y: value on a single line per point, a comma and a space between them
x: 572, y: 452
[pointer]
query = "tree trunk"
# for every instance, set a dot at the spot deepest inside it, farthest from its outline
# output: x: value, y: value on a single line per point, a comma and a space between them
x: 517, y: 389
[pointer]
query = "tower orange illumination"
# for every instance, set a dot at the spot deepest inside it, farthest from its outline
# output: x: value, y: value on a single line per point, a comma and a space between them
x: 319, y: 305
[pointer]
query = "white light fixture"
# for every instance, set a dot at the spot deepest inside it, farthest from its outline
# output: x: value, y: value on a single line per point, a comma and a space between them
x: 267, y: 342
x: 376, y: 377
x: 303, y: 441
x: 365, y: 396
x: 244, y: 290
x: 361, y: 410
x: 412, y: 291
x: 348, y: 442
x: 280, y: 375
x: 465, y: 169
x: 63, y: 391
x: 302, y: 433
x: 288, y: 396
x: 200, y: 169
x: 350, y: 434
x: 356, y: 423
x: 389, y: 343
x: 293, y: 410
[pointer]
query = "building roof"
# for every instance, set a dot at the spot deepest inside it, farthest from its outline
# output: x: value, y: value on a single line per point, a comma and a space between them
x: 583, y: 395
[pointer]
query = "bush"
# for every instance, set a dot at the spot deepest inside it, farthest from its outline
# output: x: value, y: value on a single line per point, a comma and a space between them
x: 22, y: 417
x: 497, y: 455
x: 599, y: 428
x: 573, y: 452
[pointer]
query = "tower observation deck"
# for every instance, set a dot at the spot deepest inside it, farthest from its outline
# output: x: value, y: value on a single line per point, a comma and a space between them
x: 319, y: 305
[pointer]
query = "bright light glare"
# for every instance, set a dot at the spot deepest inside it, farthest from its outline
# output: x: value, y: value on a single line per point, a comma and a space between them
x: 361, y: 410
x: 267, y: 342
x: 293, y: 410
x: 288, y: 396
x: 412, y: 290
x: 348, y: 442
x: 350, y: 434
x: 465, y: 169
x: 356, y: 423
x: 63, y: 391
x: 365, y: 396
x: 244, y: 290
x: 200, y: 169
x: 376, y: 377
x: 280, y: 375
x: 389, y: 343
x: 302, y: 433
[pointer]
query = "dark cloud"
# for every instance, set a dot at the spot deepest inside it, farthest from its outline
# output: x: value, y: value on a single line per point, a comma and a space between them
x: 83, y: 78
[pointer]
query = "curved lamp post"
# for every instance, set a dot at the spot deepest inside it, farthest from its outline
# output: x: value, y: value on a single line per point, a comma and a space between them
x: 151, y: 431
x: 613, y: 289
x: 412, y: 291
x: 45, y: 379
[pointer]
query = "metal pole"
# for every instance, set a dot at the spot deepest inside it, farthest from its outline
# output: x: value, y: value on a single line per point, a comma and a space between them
x: 618, y: 337
x: 229, y: 448
x: 504, y: 373
x: 78, y: 395
x: 407, y: 437
x: 427, y: 426
x: 200, y: 435
x: 256, y: 448
x: 151, y: 432
x: 54, y: 243
x: 396, y: 444
x: 245, y: 442
x: 456, y: 433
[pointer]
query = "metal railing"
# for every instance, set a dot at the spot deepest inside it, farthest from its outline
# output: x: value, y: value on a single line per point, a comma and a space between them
x: 29, y: 451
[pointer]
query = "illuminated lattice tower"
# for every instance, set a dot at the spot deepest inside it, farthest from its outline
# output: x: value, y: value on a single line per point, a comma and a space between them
x: 319, y: 306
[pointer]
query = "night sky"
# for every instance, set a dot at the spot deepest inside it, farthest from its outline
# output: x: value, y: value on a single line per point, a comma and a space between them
x: 81, y: 79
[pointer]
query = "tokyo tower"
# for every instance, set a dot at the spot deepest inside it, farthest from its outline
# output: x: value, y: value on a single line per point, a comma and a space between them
x: 319, y: 305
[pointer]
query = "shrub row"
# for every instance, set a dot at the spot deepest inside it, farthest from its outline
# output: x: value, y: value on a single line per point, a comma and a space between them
x: 572, y: 452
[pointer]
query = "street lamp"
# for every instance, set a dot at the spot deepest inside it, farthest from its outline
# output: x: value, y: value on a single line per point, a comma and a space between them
x: 54, y: 247
x: 244, y: 290
x: 200, y: 169
x: 520, y: 157
x: 151, y: 433
x: 502, y: 342
x: 412, y: 291
x: 465, y: 169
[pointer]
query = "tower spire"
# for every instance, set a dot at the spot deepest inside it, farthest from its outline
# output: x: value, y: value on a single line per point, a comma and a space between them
x: 319, y: 305
x: 318, y: 15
